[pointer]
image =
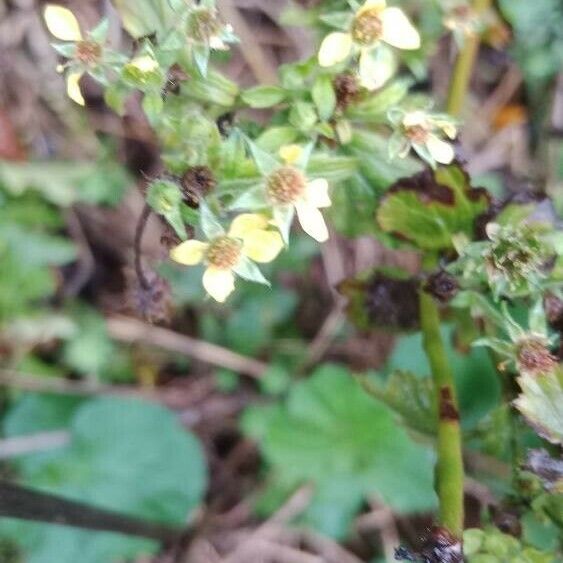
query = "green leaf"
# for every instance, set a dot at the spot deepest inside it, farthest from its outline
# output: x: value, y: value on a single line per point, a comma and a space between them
x: 430, y: 208
x: 303, y: 116
x: 145, y: 17
x: 163, y: 196
x: 475, y: 375
x: 331, y: 433
x: 263, y: 96
x: 115, y: 95
x: 63, y: 183
x: 265, y: 162
x: 375, y: 107
x: 213, y: 88
x: 410, y: 396
x: 249, y: 271
x: 541, y: 403
x: 324, y: 96
x: 275, y: 137
x: 114, y: 461
x: 153, y: 105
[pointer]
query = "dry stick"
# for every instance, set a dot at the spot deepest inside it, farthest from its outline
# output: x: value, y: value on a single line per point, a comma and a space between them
x: 26, y: 504
x: 296, y: 504
x: 28, y: 382
x: 41, y: 441
x: 131, y: 330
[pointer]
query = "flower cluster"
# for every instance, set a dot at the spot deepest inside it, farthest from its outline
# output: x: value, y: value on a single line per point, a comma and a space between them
x: 248, y: 240
x: 515, y: 261
x: 283, y: 192
x: 373, y: 28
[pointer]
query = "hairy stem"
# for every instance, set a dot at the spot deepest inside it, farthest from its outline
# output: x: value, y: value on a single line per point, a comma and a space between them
x: 465, y: 61
x: 449, y: 469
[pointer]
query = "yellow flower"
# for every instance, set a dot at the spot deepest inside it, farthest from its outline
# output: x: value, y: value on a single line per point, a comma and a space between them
x: 373, y: 25
x: 62, y: 23
x: 248, y: 240
x: 421, y: 128
x: 289, y: 191
x: 421, y: 131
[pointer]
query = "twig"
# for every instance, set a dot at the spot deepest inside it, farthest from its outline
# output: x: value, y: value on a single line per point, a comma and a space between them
x: 325, y: 336
x: 28, y: 382
x: 328, y: 549
x: 381, y: 518
x: 297, y: 503
x: 26, y: 504
x: 132, y: 330
x: 21, y: 445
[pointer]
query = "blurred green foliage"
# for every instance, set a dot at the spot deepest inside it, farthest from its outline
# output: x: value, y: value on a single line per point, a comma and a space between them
x: 113, y: 461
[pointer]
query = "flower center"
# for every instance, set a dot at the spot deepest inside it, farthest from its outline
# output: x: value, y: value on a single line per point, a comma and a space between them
x: 203, y: 24
x: 367, y: 27
x: 224, y: 252
x: 88, y: 52
x: 417, y: 134
x: 285, y: 185
x: 534, y: 357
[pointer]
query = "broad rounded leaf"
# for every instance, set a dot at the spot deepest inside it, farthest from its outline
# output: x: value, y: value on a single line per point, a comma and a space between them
x: 331, y: 433
x: 428, y: 209
x: 124, y: 455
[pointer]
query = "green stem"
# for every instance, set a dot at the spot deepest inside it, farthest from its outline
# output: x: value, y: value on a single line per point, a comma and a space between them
x: 463, y: 68
x: 449, y: 469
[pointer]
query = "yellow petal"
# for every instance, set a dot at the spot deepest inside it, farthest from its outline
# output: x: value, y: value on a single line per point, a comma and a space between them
x: 262, y: 246
x: 398, y: 30
x: 316, y: 193
x: 372, y: 5
x: 448, y: 128
x: 144, y: 63
x: 290, y: 153
x: 441, y: 151
x: 376, y: 68
x: 62, y: 23
x: 73, y: 87
x: 335, y: 48
x: 218, y: 283
x: 246, y: 223
x: 312, y: 221
x: 189, y: 253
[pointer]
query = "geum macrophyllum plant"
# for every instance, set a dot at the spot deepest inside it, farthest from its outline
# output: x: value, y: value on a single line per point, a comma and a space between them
x: 373, y: 26
x: 248, y: 240
x: 257, y: 176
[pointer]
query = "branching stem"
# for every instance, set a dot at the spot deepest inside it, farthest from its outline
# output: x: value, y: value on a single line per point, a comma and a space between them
x: 449, y: 469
